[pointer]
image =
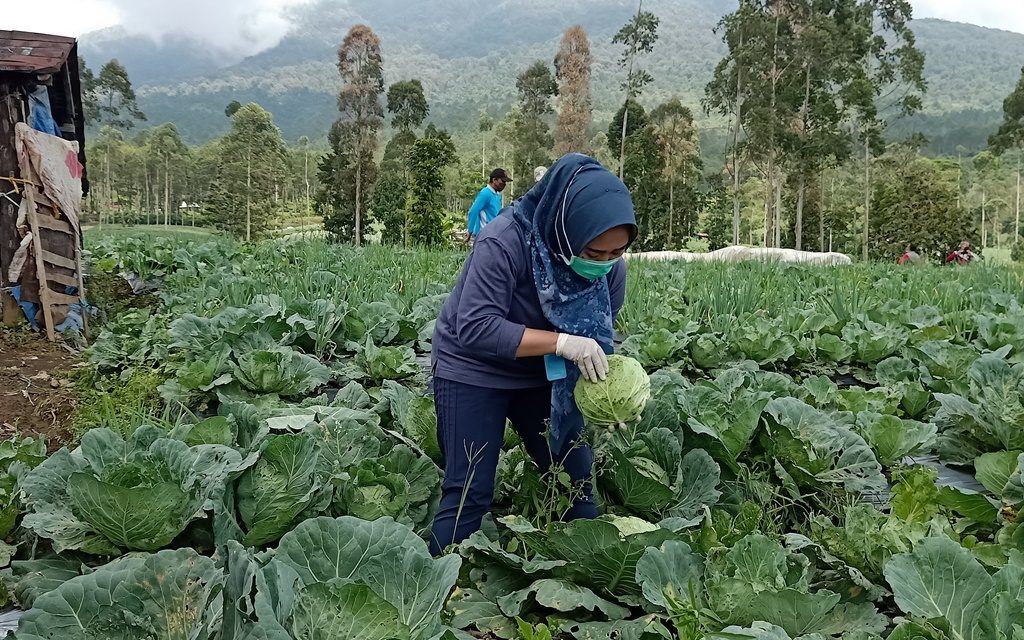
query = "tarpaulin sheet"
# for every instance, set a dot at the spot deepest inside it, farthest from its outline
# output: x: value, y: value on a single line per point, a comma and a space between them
x: 55, y: 161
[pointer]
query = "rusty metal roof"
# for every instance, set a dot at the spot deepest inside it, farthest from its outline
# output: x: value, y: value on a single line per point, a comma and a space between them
x: 33, y: 52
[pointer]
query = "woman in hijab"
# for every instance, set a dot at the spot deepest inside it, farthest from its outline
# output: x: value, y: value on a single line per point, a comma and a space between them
x: 531, y: 312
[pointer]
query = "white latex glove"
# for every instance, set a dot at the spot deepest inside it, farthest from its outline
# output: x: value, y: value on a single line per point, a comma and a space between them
x: 586, y: 353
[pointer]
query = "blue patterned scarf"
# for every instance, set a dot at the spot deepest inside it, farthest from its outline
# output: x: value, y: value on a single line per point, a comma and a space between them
x: 575, y: 202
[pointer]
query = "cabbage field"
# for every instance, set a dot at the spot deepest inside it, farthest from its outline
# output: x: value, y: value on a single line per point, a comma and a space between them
x: 827, y: 453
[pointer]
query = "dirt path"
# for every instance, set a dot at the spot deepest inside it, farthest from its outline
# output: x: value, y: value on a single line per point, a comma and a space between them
x: 35, y: 398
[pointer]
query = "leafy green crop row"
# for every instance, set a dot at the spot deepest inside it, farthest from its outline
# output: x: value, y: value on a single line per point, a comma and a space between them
x: 781, y: 482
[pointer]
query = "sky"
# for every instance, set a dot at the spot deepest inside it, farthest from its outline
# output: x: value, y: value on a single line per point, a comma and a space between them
x: 248, y: 26
x: 239, y: 26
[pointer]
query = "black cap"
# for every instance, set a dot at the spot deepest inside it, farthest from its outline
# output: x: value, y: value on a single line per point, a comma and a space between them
x: 499, y: 174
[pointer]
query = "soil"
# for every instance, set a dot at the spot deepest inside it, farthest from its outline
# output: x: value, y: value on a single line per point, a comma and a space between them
x: 36, y: 396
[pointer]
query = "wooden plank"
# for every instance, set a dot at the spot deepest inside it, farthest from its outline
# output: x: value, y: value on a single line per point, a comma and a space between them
x: 53, y: 224
x: 60, y: 278
x: 45, y: 294
x: 62, y: 298
x: 14, y: 36
x: 55, y: 259
x: 44, y: 201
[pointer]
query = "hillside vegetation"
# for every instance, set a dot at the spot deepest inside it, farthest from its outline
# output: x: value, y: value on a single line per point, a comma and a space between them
x: 468, y: 52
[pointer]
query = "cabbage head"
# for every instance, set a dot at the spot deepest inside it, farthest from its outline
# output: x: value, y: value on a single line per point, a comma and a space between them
x: 619, y: 398
x: 374, y: 493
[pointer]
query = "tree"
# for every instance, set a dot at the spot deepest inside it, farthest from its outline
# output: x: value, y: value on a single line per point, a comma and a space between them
x: 716, y: 213
x: 572, y: 69
x: 636, y: 37
x: 532, y: 137
x: 888, y: 78
x: 915, y: 202
x: 987, y: 170
x: 110, y: 101
x: 428, y: 159
x: 388, y: 206
x: 354, y: 136
x: 90, y: 101
x: 232, y: 108
x: 800, y: 76
x: 396, y: 150
x: 1011, y: 131
x: 407, y: 104
x: 622, y: 123
x: 167, y: 147
x: 110, y: 145
x: 252, y: 164
x: 485, y: 125
x: 644, y: 171
x: 1011, y: 136
x: 304, y: 147
x: 115, y: 97
x: 680, y: 151
x: 726, y: 94
x: 818, y: 136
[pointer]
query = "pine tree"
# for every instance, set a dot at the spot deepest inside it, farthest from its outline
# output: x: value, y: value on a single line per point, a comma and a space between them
x: 572, y: 69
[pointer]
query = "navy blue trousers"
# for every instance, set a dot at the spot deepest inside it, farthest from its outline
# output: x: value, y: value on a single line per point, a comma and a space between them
x: 470, y: 431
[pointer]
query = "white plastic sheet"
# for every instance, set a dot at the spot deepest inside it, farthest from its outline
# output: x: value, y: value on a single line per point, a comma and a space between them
x: 740, y: 254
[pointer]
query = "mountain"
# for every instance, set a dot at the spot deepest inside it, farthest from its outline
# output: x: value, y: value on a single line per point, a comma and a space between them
x: 468, y: 52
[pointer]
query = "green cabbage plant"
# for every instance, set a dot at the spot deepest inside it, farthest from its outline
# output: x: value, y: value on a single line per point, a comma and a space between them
x: 111, y: 494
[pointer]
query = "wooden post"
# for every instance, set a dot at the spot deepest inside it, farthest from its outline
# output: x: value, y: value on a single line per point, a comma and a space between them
x: 11, y: 111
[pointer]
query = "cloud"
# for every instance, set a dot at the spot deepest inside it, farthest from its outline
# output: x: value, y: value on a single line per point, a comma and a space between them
x: 998, y: 14
x: 241, y: 27
x: 61, y: 17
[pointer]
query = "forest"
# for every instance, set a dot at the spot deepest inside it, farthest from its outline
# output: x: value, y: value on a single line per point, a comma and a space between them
x: 819, y: 156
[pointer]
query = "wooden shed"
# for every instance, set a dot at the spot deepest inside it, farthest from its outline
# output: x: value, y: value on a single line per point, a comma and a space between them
x: 35, y: 69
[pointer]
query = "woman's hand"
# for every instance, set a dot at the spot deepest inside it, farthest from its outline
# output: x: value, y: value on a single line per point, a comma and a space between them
x: 586, y: 353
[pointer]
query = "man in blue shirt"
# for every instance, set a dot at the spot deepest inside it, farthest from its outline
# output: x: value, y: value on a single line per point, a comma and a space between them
x: 487, y: 204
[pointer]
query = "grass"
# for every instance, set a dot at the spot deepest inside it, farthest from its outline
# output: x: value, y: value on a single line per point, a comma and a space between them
x: 119, y: 403
x: 148, y: 231
x: 998, y: 256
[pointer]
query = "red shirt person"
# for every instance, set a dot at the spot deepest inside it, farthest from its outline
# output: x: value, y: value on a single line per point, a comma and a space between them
x: 961, y: 255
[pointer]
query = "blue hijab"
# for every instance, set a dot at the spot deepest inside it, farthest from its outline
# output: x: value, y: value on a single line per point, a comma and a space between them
x: 576, y: 201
